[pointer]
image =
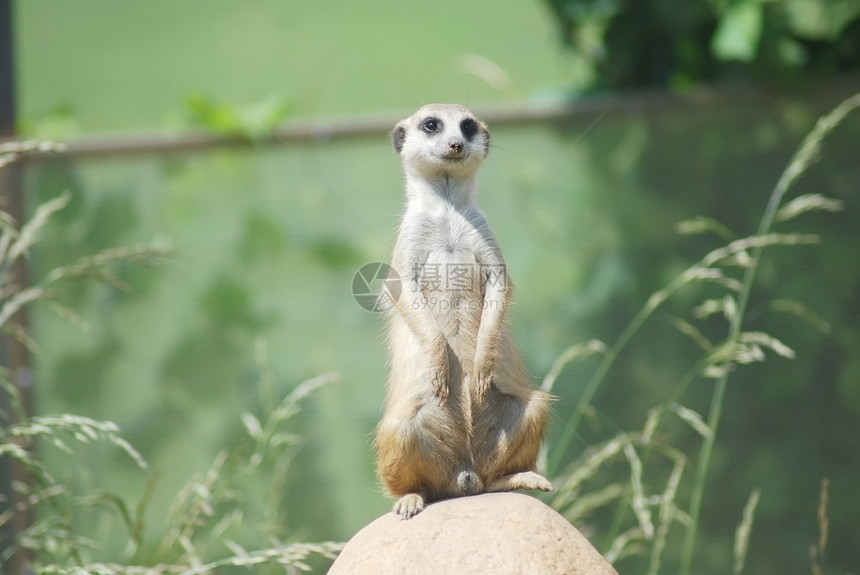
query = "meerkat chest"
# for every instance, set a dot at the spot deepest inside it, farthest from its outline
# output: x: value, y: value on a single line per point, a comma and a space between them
x: 451, y: 237
x: 449, y: 253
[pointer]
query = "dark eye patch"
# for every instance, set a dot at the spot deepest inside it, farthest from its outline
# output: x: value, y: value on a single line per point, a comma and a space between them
x: 431, y: 125
x: 469, y: 127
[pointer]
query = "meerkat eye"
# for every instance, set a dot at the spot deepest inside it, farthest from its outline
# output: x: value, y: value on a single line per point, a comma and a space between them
x: 469, y: 127
x: 431, y: 125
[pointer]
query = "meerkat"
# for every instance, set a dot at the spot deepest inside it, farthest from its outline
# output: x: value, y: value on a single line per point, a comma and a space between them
x: 461, y: 416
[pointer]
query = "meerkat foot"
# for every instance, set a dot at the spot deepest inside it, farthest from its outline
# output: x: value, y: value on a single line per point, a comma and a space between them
x: 409, y: 505
x: 524, y: 480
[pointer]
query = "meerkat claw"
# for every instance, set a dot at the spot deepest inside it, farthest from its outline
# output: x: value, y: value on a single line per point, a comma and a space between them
x: 440, y: 389
x: 409, y: 505
x: 483, y: 382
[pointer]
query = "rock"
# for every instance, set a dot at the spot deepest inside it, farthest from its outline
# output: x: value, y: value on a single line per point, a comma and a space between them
x: 493, y: 533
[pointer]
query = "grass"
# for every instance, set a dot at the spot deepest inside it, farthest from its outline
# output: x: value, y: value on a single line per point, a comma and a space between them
x: 198, y: 535
x: 652, y: 514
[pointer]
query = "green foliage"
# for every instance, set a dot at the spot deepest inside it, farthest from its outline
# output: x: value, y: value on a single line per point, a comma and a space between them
x: 676, y: 43
x: 239, y: 500
x: 15, y: 245
x: 254, y: 120
x: 209, y: 517
x: 656, y: 494
x: 198, y: 536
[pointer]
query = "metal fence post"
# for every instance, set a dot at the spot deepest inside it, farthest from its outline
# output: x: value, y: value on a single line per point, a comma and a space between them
x: 13, y: 355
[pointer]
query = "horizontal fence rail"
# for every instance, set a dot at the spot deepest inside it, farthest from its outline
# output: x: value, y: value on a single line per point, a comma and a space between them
x: 318, y: 130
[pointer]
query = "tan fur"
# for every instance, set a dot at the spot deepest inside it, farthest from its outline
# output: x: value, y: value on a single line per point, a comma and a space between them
x: 461, y: 416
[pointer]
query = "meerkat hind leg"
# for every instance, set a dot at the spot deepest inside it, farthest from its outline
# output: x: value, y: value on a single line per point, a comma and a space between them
x: 409, y: 505
x: 522, y: 480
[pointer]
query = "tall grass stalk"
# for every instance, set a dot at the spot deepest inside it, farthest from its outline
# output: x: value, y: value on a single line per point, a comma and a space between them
x: 803, y: 158
x: 703, y: 270
x: 292, y: 558
x: 644, y: 515
x: 196, y: 537
x: 817, y: 551
x: 742, y: 533
x: 21, y: 432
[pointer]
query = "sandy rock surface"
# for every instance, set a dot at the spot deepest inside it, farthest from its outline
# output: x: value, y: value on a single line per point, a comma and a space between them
x: 493, y: 533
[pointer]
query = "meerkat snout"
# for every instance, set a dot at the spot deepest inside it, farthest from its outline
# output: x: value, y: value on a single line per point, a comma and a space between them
x: 441, y: 138
x: 456, y: 147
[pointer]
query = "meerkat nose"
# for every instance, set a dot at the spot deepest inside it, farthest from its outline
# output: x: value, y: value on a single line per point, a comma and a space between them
x: 456, y: 146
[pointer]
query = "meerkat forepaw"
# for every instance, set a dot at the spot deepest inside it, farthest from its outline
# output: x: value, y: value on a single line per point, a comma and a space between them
x: 439, y: 377
x: 484, y: 380
x: 409, y: 505
x: 440, y: 388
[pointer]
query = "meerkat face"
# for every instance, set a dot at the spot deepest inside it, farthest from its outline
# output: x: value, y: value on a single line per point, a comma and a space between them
x: 442, y: 138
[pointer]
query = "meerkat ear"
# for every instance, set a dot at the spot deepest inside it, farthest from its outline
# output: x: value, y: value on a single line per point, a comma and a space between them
x: 398, y: 137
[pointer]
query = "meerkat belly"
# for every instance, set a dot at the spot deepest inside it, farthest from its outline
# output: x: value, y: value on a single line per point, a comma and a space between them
x: 452, y: 290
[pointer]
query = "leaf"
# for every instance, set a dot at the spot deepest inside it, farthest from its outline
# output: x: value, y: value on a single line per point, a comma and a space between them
x: 619, y: 546
x: 651, y: 423
x: 716, y: 371
x: 252, y: 425
x: 205, y: 112
x: 585, y: 468
x: 702, y: 225
x: 692, y: 332
x: 667, y: 512
x: 71, y: 316
x: 768, y: 341
x: 29, y: 233
x: 639, y: 501
x: 796, y: 308
x: 815, y: 20
x: 716, y: 275
x: 693, y: 419
x: 259, y: 119
x: 760, y: 241
x: 741, y: 259
x: 808, y: 203
x: 727, y: 306
x: 16, y: 302
x: 578, y: 351
x: 254, y: 120
x: 738, y: 33
x: 747, y: 348
x: 235, y: 548
x: 588, y: 502
x: 742, y: 533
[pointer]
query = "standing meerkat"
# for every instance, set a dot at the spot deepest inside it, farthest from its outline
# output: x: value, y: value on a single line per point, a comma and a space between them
x: 461, y: 416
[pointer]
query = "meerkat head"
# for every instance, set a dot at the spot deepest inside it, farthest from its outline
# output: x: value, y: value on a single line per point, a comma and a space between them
x: 442, y: 139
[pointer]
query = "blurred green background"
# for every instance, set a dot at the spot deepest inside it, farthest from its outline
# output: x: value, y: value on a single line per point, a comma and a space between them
x: 268, y: 239
x: 128, y: 65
